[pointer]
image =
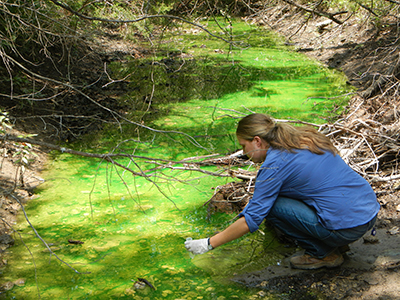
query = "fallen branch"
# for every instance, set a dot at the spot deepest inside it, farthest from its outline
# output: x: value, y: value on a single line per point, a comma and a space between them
x: 393, y: 1
x: 367, y: 8
x: 330, y: 16
x: 39, y: 237
x: 379, y: 84
x: 162, y: 163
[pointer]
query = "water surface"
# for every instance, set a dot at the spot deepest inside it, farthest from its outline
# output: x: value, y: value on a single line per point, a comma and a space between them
x: 134, y: 227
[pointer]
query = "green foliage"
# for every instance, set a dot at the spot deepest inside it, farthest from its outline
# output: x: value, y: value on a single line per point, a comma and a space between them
x: 4, y: 122
x: 24, y: 152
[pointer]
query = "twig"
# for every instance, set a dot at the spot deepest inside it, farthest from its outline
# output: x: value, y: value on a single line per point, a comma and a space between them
x: 27, y: 248
x: 393, y: 1
x: 40, y: 238
x: 319, y: 13
x: 367, y: 8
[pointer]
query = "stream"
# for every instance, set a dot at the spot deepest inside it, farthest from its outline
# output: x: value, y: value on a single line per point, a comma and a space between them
x: 193, y: 91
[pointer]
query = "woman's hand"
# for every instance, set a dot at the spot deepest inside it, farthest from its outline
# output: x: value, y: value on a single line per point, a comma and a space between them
x: 197, y: 246
x: 234, y: 231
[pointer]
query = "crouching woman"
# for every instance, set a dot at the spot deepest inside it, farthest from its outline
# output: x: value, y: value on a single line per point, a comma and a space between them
x: 304, y: 189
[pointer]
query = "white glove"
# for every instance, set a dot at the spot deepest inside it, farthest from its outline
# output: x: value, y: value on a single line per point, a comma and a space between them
x: 197, y: 246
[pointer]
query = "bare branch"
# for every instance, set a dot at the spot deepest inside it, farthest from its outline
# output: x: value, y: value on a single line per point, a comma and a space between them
x: 108, y: 156
x: 379, y: 84
x: 66, y: 7
x: 319, y: 13
x: 40, y: 238
x: 367, y: 8
x: 114, y: 114
x: 192, y: 167
x: 393, y: 1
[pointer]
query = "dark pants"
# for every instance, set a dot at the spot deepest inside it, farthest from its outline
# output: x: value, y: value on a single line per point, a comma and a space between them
x: 300, y: 222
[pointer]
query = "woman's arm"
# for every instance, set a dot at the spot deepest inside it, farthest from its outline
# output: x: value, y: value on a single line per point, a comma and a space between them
x: 233, y: 232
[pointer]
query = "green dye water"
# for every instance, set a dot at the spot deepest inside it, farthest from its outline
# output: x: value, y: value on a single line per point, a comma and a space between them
x: 128, y: 228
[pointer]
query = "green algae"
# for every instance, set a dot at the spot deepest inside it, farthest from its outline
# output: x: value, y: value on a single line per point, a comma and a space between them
x: 128, y: 228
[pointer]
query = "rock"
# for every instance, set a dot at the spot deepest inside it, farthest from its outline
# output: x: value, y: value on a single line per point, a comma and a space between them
x: 394, y: 230
x: 139, y: 285
x: 370, y: 239
x: 370, y: 279
x: 19, y: 282
x: 6, y: 286
x: 262, y: 294
x: 322, y: 25
x: 392, y: 265
x: 383, y: 202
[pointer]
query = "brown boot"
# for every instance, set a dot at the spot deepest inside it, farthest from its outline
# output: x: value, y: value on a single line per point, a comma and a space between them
x: 307, y: 262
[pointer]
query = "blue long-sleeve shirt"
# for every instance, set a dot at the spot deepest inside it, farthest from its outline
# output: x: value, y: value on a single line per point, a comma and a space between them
x: 341, y: 197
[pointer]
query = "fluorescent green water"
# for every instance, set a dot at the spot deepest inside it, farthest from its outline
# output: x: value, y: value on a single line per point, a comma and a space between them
x: 129, y: 229
x: 124, y: 241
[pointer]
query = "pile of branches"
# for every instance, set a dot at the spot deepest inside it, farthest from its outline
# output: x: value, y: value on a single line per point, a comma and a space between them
x: 231, y: 197
x: 368, y: 138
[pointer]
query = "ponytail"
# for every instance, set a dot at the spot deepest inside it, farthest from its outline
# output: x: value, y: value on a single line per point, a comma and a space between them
x: 283, y: 136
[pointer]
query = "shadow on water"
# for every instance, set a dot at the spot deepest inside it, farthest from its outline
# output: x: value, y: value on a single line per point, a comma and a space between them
x: 211, y: 79
x: 206, y: 96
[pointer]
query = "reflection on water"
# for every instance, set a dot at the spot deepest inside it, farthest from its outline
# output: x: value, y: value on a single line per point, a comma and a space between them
x: 128, y: 228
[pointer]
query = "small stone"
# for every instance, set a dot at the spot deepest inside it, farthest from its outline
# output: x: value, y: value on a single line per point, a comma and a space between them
x: 264, y: 283
x: 392, y: 265
x: 398, y: 207
x: 383, y: 202
x: 262, y: 294
x: 313, y: 285
x: 6, y: 286
x: 371, y: 280
x: 370, y: 239
x: 394, y: 230
x: 139, y: 285
x: 19, y: 282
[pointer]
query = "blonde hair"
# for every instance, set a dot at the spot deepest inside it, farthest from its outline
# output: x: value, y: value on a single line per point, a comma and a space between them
x: 283, y: 136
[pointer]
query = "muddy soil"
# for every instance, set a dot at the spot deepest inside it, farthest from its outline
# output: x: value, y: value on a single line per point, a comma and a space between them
x: 371, y: 268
